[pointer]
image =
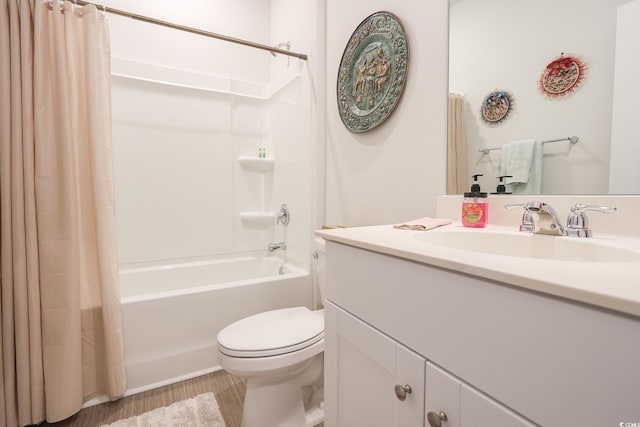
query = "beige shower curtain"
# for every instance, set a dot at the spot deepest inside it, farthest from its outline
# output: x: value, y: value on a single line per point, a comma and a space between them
x: 457, y: 178
x: 61, y: 334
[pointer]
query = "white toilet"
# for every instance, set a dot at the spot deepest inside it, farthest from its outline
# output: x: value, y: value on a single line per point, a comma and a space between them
x: 278, y: 352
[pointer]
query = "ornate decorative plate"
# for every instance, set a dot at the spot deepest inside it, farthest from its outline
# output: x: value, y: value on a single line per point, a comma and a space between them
x: 496, y: 107
x: 372, y: 72
x: 562, y: 76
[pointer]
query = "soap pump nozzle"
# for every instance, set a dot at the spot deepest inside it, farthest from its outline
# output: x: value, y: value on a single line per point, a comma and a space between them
x: 501, y: 189
x: 475, y: 188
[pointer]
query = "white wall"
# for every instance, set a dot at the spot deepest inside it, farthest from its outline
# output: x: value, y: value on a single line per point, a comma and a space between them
x: 502, y: 44
x: 394, y: 172
x: 625, y: 133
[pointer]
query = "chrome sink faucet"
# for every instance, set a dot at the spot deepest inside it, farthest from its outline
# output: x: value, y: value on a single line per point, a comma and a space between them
x: 541, y: 218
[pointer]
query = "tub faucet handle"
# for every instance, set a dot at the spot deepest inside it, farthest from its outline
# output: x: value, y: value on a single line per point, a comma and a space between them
x: 283, y: 215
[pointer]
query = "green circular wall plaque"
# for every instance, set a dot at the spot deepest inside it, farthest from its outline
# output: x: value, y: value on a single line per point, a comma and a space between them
x: 372, y: 72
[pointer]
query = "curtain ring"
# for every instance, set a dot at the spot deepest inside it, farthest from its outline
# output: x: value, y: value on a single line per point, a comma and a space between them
x: 50, y: 4
x: 75, y: 8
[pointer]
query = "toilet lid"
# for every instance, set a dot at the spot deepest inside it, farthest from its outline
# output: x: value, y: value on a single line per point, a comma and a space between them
x: 272, y: 333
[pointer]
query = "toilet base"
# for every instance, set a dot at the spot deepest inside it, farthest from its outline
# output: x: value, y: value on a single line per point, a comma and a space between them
x: 281, y: 404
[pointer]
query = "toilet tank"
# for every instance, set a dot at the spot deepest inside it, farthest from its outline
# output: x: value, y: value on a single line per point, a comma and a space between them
x: 318, y: 265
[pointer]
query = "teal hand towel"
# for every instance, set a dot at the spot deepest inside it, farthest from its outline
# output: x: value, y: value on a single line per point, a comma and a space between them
x: 523, y: 161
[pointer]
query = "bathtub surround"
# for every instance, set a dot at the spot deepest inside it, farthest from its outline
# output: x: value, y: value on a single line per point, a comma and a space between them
x: 188, y: 122
x: 213, y: 103
x: 210, y: 209
x: 173, y: 312
x: 61, y: 326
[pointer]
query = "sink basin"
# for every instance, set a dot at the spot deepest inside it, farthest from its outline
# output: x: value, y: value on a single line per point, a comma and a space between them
x: 525, y: 245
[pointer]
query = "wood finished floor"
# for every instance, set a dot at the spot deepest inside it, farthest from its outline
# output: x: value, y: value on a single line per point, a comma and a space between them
x: 228, y: 390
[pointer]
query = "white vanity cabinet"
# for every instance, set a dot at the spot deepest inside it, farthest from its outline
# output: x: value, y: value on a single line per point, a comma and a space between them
x: 378, y: 382
x: 375, y: 381
x: 483, y: 352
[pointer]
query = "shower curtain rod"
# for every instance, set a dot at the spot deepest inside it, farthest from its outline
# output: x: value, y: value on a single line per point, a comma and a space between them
x: 192, y: 30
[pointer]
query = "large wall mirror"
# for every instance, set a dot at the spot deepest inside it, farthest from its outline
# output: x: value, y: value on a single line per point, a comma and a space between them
x: 505, y: 45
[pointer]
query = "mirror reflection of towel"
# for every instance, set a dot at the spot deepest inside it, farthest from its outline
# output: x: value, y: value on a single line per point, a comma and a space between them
x: 523, y: 161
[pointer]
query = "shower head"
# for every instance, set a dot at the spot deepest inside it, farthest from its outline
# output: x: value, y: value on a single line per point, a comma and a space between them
x: 286, y: 46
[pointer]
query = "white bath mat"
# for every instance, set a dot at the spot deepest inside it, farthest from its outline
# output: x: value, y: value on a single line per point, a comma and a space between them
x: 200, y: 411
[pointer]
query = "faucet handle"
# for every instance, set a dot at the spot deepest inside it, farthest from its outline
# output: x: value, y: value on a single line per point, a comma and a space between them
x: 579, y: 208
x: 283, y: 215
x: 578, y: 222
x: 513, y: 205
x: 534, y: 206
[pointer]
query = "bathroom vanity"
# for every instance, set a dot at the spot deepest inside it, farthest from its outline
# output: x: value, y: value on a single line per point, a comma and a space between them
x: 421, y: 333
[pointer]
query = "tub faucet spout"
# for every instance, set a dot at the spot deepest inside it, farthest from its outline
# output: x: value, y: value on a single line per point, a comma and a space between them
x: 272, y: 247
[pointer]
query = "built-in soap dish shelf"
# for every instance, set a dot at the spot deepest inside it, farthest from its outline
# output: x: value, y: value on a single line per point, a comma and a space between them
x: 264, y: 218
x: 260, y: 164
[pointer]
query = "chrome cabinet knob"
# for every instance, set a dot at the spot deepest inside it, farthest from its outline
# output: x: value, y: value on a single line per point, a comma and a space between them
x: 435, y: 420
x: 402, y: 391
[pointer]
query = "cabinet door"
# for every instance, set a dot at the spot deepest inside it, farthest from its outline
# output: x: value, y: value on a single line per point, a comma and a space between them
x: 457, y: 404
x: 478, y: 410
x: 363, y: 367
x: 442, y: 397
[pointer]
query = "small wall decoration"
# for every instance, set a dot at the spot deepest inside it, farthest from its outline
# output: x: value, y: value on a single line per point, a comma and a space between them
x: 496, y: 107
x: 372, y: 72
x: 562, y: 76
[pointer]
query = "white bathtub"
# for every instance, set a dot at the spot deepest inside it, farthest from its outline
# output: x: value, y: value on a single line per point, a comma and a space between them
x: 171, y: 314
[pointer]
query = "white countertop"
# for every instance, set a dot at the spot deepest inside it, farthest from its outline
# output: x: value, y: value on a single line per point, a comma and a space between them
x: 610, y: 285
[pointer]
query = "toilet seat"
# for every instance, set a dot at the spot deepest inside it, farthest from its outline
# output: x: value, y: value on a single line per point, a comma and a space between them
x: 272, y: 333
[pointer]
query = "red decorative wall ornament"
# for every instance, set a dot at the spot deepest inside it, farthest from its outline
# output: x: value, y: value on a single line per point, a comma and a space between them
x: 562, y: 76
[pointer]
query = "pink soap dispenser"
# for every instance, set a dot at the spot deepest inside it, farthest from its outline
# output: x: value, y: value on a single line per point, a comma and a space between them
x: 474, y: 206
